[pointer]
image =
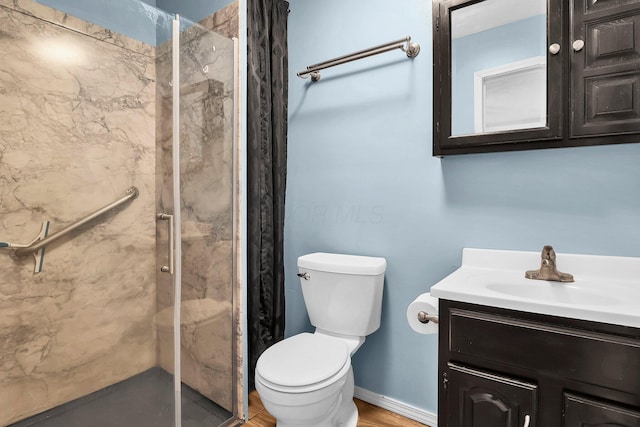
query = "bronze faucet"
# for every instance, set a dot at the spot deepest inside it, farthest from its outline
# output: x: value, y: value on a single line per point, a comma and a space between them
x: 548, y: 270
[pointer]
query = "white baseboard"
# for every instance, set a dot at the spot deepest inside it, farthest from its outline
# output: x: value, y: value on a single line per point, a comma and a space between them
x: 417, y: 414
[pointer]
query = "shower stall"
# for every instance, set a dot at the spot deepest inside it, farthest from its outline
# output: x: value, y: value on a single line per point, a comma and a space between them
x: 118, y: 313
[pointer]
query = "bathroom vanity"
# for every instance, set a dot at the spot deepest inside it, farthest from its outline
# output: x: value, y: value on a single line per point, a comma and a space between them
x: 499, y: 366
x: 569, y: 358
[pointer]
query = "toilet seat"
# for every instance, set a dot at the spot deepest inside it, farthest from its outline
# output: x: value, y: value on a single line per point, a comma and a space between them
x: 303, y: 363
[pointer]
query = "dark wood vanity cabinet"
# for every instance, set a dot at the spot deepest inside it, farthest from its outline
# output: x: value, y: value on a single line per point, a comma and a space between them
x: 587, y: 90
x: 505, y: 368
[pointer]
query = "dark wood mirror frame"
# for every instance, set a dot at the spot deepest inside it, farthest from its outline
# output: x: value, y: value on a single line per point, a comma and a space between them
x: 593, y: 94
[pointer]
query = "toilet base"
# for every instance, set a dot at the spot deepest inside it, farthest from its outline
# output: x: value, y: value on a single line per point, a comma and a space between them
x: 348, y: 416
x: 348, y: 413
x: 342, y: 413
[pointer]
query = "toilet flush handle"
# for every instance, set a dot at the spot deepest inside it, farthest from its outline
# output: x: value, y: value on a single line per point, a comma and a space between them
x: 304, y: 275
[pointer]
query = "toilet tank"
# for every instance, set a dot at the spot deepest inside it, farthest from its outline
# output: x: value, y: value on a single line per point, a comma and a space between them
x: 343, y: 293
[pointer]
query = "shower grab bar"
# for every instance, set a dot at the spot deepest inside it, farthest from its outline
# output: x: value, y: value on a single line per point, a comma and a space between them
x: 405, y: 44
x: 36, y: 245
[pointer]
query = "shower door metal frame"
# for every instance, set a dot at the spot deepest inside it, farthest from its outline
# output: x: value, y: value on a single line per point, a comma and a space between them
x: 177, y: 220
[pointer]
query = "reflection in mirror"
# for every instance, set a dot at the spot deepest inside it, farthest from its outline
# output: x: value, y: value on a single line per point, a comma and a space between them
x: 498, y: 66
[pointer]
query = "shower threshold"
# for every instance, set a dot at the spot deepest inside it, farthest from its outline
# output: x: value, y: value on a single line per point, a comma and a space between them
x: 145, y: 400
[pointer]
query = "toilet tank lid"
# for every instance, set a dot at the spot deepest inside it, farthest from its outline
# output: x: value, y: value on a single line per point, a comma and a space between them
x: 344, y: 264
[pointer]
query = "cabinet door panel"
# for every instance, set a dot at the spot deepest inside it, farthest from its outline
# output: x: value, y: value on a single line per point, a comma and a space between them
x: 605, y: 90
x: 592, y: 6
x: 583, y: 412
x: 613, y: 42
x: 481, y: 399
x: 599, y: 5
x: 611, y: 99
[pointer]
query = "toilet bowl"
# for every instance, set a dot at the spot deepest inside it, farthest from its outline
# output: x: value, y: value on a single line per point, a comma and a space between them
x: 306, y: 380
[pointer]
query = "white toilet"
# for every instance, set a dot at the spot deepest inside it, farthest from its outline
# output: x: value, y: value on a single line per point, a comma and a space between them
x: 306, y: 380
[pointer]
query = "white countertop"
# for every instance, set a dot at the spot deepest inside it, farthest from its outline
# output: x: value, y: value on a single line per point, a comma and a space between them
x: 606, y: 288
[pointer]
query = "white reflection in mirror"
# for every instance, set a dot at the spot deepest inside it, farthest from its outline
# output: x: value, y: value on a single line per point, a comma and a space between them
x: 498, y: 66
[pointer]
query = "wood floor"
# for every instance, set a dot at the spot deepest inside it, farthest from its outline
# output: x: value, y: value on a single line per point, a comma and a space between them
x: 370, y: 415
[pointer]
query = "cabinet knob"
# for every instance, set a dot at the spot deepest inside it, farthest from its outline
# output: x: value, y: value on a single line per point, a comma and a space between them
x: 578, y: 45
x: 554, y: 49
x: 527, y: 420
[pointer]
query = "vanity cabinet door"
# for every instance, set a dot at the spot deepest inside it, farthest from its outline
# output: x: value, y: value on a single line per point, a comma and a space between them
x: 579, y: 412
x: 481, y: 399
x: 605, y: 59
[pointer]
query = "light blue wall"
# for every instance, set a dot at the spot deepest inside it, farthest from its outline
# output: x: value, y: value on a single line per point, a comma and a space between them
x: 497, y: 46
x: 361, y: 180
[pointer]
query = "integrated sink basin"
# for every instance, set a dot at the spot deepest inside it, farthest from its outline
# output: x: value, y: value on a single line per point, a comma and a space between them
x: 606, y: 289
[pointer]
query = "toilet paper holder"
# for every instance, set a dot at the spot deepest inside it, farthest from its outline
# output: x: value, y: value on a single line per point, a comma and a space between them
x: 424, y: 317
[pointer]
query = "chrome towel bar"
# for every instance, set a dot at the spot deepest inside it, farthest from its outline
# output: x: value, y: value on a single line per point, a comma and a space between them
x: 405, y: 44
x: 19, y: 251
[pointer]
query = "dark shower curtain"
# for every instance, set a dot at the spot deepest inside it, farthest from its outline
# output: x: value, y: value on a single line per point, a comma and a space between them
x: 266, y: 173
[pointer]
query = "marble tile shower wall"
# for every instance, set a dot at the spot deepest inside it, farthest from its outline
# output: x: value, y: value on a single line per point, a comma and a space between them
x: 77, y: 128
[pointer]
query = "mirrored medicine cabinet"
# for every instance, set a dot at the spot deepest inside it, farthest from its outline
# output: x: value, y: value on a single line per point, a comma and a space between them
x: 524, y: 74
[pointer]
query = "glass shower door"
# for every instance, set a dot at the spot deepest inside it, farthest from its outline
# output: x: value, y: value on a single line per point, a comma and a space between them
x: 202, y: 177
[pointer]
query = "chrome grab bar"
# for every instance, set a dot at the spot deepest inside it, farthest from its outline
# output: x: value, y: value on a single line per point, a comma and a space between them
x: 35, y: 246
x: 412, y: 50
x: 167, y: 217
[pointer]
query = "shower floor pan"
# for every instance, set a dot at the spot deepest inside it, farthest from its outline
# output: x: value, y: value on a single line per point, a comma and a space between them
x: 145, y: 400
